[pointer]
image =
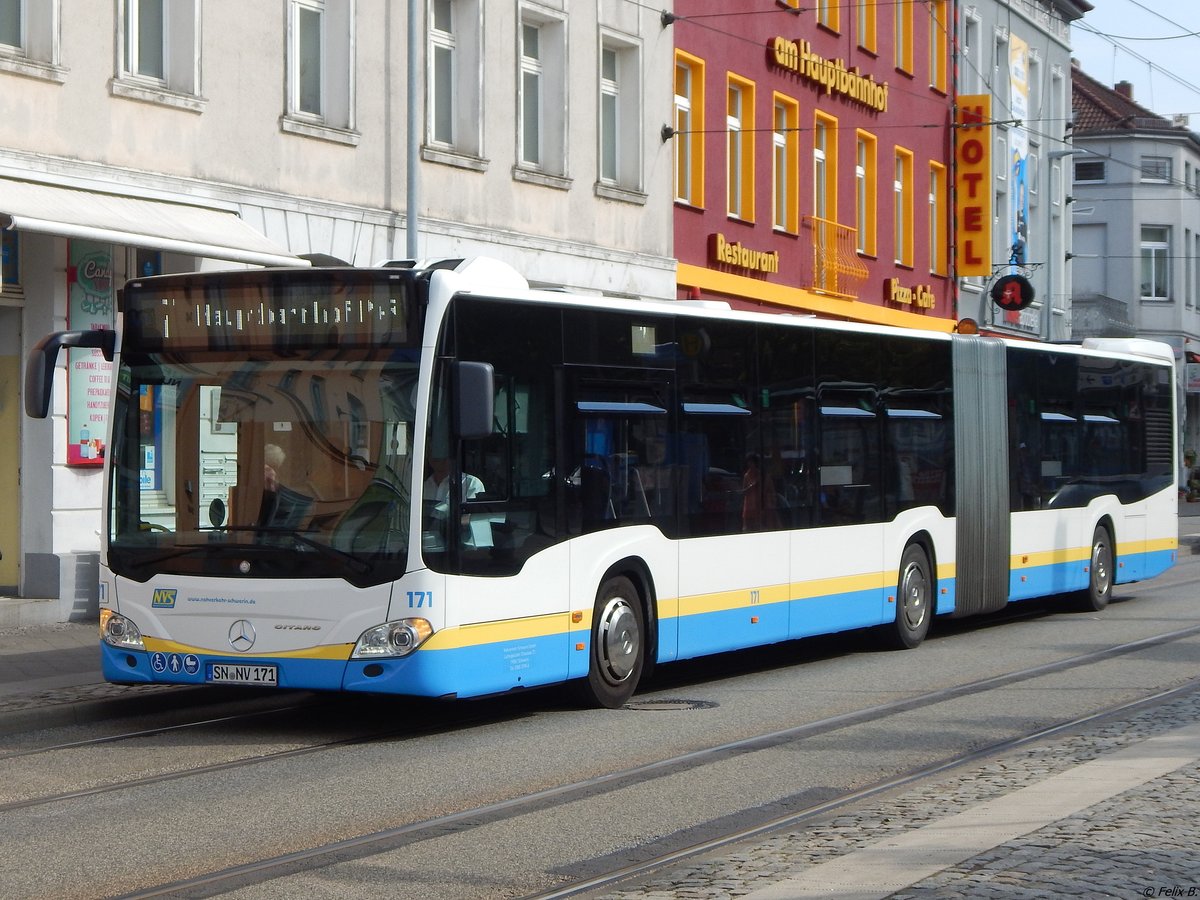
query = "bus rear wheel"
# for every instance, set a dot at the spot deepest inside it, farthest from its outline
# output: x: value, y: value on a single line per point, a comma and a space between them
x: 618, y: 645
x: 1096, y: 595
x: 914, y: 601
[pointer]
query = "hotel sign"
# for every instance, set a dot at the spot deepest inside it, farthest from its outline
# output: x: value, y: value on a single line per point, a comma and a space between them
x: 797, y: 57
x: 973, y: 185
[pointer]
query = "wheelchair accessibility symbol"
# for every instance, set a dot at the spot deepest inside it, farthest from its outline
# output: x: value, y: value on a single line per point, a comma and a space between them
x: 158, y: 662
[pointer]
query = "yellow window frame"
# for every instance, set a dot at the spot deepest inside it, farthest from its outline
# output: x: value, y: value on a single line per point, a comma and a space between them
x: 939, y: 244
x: 902, y: 213
x: 904, y: 35
x: 866, y: 205
x: 689, y: 134
x: 785, y: 154
x: 866, y: 23
x: 939, y: 43
x: 740, y: 148
x: 830, y: 130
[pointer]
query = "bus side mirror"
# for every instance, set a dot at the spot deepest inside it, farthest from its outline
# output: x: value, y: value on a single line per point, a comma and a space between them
x: 39, y: 368
x: 475, y: 392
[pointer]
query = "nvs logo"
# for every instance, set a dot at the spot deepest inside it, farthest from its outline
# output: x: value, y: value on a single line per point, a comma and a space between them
x: 164, y: 598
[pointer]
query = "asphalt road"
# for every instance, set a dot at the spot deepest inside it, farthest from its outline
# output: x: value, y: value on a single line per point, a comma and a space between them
x: 495, y: 751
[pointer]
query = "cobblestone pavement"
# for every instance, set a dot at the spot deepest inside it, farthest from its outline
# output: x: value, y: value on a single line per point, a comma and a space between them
x: 1144, y: 842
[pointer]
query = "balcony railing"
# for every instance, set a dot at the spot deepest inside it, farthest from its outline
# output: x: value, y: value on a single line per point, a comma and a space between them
x: 836, y: 267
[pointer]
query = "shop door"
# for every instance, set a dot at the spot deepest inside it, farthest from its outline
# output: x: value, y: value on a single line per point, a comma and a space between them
x: 10, y: 448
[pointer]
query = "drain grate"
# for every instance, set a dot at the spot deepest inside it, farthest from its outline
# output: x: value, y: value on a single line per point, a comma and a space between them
x: 668, y: 705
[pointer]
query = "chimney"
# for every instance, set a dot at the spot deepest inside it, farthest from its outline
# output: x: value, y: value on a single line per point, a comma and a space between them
x: 1125, y: 89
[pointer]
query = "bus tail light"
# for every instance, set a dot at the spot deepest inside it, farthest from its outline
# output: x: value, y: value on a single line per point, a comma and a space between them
x: 392, y: 639
x: 118, y: 631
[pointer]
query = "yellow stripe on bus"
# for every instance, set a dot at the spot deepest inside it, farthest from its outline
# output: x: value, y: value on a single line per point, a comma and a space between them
x: 1048, y: 558
x: 504, y: 630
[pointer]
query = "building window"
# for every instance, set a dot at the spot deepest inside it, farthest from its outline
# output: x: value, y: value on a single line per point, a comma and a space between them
x: 866, y: 191
x: 455, y: 76
x: 620, y: 114
x: 1156, y: 169
x: 689, y: 129
x: 29, y: 38
x: 903, y: 206
x: 939, y: 43
x: 320, y: 67
x: 865, y: 24
x: 12, y: 24
x: 1156, y: 259
x: 739, y: 128
x: 610, y: 96
x: 904, y: 35
x: 531, y: 95
x: 1196, y: 272
x: 308, y: 49
x: 786, y: 165
x: 443, y: 64
x: 938, y: 211
x: 145, y: 39
x: 829, y: 14
x: 1001, y: 73
x: 1033, y: 168
x: 541, y: 132
x: 1090, y: 171
x: 825, y: 165
x: 160, y: 49
x: 971, y: 74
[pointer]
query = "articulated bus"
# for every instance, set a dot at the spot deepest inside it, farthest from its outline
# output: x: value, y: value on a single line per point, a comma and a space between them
x: 434, y: 481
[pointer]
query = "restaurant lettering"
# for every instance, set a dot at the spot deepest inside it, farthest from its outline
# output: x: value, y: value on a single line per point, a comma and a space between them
x: 735, y: 254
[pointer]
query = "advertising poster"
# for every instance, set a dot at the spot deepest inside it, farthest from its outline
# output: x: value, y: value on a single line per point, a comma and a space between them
x: 1019, y: 136
x: 90, y: 305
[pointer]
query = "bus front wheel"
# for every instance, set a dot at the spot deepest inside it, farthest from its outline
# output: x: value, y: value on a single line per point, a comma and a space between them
x: 618, y: 645
x: 914, y: 601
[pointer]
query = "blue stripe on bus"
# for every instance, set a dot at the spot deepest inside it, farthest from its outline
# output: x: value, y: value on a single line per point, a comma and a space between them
x: 1065, y: 577
x: 466, y: 671
x: 1145, y: 565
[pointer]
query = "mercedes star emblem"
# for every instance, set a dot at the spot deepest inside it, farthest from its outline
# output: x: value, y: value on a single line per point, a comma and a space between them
x: 241, y: 635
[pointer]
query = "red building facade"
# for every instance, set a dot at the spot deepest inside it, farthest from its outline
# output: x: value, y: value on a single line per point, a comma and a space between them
x: 812, y: 157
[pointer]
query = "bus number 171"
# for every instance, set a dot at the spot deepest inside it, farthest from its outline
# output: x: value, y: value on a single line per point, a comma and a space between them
x: 418, y: 599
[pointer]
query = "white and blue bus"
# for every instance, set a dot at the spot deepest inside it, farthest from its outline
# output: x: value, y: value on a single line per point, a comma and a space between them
x: 434, y: 481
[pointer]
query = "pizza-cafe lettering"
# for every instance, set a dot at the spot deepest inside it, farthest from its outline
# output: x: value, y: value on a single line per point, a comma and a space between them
x: 919, y: 295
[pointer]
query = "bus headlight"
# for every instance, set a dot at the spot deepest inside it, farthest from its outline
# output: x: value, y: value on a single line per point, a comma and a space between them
x: 118, y: 631
x: 392, y: 639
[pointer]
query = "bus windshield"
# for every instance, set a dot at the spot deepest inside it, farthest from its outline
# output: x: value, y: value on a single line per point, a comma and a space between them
x: 251, y: 456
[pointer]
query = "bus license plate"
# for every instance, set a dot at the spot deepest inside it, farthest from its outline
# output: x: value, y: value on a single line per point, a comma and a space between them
x: 236, y: 673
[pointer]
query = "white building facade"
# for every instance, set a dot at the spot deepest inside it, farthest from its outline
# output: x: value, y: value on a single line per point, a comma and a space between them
x: 1136, y: 262
x: 1018, y: 52
x: 146, y: 136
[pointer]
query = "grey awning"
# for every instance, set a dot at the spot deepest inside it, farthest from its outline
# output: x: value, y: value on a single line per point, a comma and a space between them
x: 136, y: 222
